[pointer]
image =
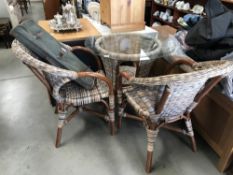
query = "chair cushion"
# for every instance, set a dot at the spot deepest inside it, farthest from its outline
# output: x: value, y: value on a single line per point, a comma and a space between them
x: 42, y: 44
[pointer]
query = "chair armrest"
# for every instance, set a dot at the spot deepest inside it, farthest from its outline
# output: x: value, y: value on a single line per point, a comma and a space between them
x: 98, y: 76
x: 88, y: 52
x: 180, y: 61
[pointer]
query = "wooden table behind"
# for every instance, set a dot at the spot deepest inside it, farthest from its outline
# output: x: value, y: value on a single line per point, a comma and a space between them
x: 87, y: 30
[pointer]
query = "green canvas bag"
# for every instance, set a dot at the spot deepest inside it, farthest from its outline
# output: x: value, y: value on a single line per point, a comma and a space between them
x: 43, y: 45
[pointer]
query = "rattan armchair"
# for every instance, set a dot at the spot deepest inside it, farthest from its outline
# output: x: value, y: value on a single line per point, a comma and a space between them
x: 64, y: 93
x: 160, y: 101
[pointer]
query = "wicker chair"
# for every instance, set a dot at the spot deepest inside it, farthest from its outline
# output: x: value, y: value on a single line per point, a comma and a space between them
x: 64, y: 93
x: 159, y: 101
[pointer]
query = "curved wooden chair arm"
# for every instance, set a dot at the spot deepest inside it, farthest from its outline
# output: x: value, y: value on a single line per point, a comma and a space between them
x: 98, y: 76
x: 182, y: 60
x: 90, y: 52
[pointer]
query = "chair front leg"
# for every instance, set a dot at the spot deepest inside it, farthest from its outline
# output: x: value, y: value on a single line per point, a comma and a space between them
x: 111, y: 114
x: 61, y: 122
x: 189, y: 127
x: 151, y: 136
x: 119, y: 102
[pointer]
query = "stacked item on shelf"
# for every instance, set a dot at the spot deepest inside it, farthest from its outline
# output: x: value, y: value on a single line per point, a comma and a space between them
x: 193, y: 16
x: 176, y: 10
x: 165, y: 16
x: 169, y: 3
x: 189, y: 20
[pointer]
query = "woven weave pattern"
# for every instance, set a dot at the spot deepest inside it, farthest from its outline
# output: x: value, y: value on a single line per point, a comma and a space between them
x: 64, y: 92
x: 64, y: 89
x: 145, y: 93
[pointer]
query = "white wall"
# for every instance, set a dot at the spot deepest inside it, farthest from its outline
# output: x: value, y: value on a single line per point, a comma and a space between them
x: 3, y: 9
x: 13, y: 11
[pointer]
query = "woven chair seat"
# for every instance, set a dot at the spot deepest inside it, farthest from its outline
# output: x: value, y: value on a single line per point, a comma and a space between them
x: 143, y: 100
x: 78, y: 96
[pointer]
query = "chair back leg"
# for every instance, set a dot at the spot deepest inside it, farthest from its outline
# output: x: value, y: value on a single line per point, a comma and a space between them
x: 189, y: 127
x: 111, y: 111
x: 151, y: 136
x: 61, y: 122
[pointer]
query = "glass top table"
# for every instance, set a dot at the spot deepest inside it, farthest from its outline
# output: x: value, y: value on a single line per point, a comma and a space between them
x: 140, y: 49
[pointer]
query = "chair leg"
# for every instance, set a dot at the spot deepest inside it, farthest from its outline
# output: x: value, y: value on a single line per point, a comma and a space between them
x: 121, y: 113
x: 112, y: 128
x: 111, y: 115
x: 25, y: 6
x: 60, y: 125
x: 29, y: 2
x: 151, y: 136
x: 121, y: 108
x: 189, y: 127
x: 58, y: 138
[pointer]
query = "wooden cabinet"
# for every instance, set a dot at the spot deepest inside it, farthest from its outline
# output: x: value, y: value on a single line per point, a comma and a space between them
x: 51, y: 7
x: 213, y: 119
x: 123, y: 15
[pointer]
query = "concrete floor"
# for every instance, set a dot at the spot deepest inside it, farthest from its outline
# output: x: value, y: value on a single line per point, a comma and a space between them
x: 28, y: 129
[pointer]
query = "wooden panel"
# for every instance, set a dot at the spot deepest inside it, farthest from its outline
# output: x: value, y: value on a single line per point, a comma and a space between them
x: 105, y: 11
x: 118, y: 12
x: 51, y: 7
x: 87, y: 31
x: 127, y: 11
x: 127, y: 28
x: 125, y: 15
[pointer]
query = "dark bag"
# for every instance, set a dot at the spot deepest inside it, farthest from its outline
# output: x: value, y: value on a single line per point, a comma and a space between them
x: 212, y: 37
x: 50, y: 50
x: 213, y: 28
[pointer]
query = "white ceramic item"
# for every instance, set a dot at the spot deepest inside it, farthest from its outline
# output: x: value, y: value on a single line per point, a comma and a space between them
x: 93, y: 9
